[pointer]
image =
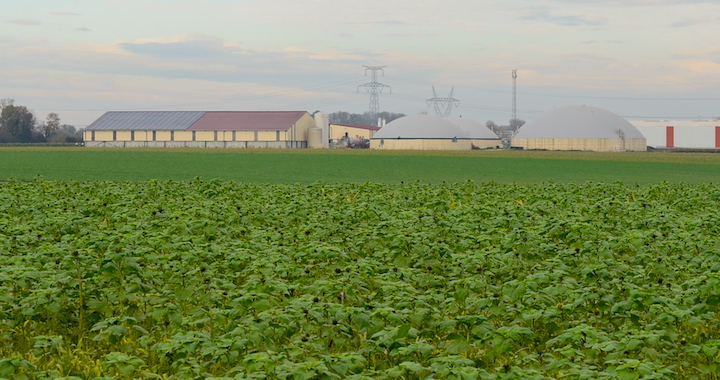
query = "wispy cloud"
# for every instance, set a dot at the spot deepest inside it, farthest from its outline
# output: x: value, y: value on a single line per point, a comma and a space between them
x: 25, y: 22
x: 383, y: 22
x: 82, y: 29
x: 64, y: 14
x: 590, y: 42
x: 388, y: 22
x: 544, y: 14
x: 188, y: 46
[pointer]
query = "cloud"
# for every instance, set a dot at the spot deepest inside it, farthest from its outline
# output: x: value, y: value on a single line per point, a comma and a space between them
x: 590, y: 42
x: 25, y: 22
x: 64, y: 14
x: 641, y: 2
x: 544, y: 14
x: 186, y: 46
x: 82, y: 29
x: 388, y: 22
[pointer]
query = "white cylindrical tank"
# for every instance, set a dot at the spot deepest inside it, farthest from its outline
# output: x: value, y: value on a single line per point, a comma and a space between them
x: 315, y: 138
x: 322, y: 121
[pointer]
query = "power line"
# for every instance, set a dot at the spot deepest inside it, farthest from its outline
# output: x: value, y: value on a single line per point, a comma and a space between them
x: 265, y: 95
x: 514, y: 104
x: 416, y: 81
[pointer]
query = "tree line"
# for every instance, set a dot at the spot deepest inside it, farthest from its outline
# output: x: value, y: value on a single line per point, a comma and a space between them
x: 19, y: 125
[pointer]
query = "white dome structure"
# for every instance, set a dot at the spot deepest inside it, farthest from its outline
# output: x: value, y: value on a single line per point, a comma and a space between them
x: 473, y: 129
x: 424, y: 132
x: 579, y: 128
x: 419, y: 127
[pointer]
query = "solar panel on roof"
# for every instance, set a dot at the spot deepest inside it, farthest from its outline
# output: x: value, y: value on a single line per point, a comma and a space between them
x: 145, y: 120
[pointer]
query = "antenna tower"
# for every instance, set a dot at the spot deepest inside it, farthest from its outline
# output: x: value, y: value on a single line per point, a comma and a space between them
x: 514, y: 105
x: 443, y: 106
x: 374, y: 88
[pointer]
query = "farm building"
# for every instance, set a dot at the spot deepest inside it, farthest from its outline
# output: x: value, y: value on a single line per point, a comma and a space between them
x: 696, y: 134
x: 579, y: 128
x: 213, y: 129
x: 424, y: 132
x: 338, y: 131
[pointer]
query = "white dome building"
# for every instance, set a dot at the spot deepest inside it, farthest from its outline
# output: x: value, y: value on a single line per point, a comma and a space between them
x: 424, y: 132
x: 579, y: 128
x: 480, y: 135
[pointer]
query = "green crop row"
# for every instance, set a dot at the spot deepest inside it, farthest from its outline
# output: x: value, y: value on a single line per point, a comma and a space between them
x: 222, y: 280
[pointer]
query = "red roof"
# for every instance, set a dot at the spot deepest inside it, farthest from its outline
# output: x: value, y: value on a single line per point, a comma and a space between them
x: 247, y: 120
x: 359, y: 126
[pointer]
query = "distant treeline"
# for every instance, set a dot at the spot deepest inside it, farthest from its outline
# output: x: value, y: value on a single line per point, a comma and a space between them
x: 19, y: 125
x: 342, y: 117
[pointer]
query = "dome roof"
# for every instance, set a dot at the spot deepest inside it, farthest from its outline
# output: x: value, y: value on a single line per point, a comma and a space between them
x: 420, y: 127
x: 573, y: 122
x: 473, y: 129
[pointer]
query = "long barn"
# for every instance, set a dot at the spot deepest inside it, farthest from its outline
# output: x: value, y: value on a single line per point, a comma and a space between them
x: 200, y: 129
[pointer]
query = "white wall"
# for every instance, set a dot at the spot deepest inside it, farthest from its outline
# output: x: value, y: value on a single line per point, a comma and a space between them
x: 688, y: 133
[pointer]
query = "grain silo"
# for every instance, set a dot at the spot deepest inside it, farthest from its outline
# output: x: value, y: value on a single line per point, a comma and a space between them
x: 420, y: 132
x: 579, y: 128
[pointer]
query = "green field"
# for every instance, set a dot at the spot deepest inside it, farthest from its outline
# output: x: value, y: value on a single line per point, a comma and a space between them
x: 463, y: 281
x: 306, y: 166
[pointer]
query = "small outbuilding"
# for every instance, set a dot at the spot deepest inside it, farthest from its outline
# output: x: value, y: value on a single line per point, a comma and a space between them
x: 579, y: 128
x: 424, y: 132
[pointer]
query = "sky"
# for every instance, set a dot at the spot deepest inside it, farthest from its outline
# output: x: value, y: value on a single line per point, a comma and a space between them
x: 641, y: 59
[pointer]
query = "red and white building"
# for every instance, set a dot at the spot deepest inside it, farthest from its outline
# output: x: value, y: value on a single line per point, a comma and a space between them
x: 699, y: 134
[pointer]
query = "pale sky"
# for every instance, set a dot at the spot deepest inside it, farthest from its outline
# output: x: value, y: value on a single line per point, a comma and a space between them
x: 641, y: 59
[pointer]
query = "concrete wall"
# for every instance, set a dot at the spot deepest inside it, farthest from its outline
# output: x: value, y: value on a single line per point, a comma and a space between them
x: 421, y: 144
x: 197, y: 144
x: 597, y: 145
x: 485, y: 144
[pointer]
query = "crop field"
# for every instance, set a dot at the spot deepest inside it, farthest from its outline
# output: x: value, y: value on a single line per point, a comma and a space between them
x: 223, y: 280
x: 356, y: 166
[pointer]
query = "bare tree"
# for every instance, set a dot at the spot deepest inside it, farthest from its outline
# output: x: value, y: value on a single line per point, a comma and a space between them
x: 6, y: 102
x: 491, y: 125
x: 515, y: 124
x: 51, y: 127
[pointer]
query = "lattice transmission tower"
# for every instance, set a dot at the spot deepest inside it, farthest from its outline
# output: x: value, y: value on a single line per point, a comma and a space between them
x: 374, y: 88
x: 443, y: 106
